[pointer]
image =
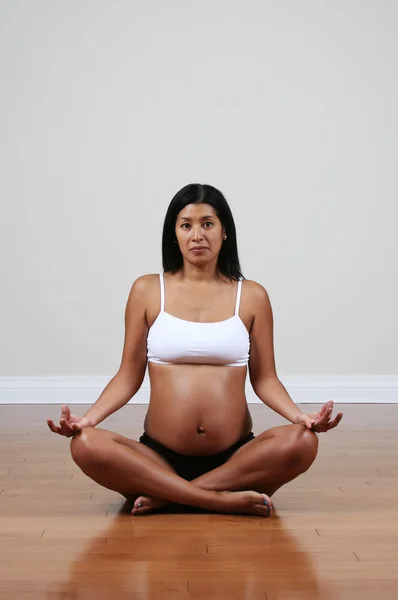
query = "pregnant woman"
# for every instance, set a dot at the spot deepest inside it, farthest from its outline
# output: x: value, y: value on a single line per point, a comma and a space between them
x: 199, y: 326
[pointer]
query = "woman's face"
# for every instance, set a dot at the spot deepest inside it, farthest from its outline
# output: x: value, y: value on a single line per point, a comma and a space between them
x: 197, y: 225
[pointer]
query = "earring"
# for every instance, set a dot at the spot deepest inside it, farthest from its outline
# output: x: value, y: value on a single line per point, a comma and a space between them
x: 225, y: 237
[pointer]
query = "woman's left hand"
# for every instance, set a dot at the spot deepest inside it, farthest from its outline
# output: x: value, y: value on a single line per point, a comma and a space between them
x: 320, y: 421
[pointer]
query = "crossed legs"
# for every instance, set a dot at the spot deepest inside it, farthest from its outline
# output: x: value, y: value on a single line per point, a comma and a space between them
x: 264, y: 464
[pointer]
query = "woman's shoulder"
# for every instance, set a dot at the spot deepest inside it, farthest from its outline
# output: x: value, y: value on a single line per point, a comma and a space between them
x: 256, y: 294
x: 144, y: 282
x: 148, y: 277
x: 254, y: 287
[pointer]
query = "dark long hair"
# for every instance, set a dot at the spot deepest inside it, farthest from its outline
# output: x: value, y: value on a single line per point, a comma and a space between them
x: 195, y: 193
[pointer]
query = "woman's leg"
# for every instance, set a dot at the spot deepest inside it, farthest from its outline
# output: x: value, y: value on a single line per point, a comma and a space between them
x: 129, y: 470
x: 79, y: 449
x: 267, y: 462
x: 264, y: 464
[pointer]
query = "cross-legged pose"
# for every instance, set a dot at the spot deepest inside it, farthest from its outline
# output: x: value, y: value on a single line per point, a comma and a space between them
x: 199, y: 326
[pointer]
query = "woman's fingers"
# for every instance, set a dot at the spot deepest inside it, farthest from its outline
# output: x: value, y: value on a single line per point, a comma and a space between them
x: 62, y: 424
x: 335, y: 421
x: 324, y: 408
x: 66, y: 428
x: 54, y: 427
x: 327, y: 406
x: 332, y: 424
x: 325, y: 412
x: 323, y: 419
x: 65, y: 412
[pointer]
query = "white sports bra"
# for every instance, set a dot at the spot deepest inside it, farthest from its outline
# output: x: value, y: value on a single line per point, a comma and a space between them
x: 172, y: 340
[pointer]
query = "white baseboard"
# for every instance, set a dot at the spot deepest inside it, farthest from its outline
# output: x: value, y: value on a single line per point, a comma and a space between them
x: 381, y: 389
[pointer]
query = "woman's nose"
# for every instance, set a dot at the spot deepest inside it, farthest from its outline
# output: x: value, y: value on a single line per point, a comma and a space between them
x: 197, y: 235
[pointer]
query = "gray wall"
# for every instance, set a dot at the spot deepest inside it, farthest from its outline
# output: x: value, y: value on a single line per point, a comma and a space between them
x: 108, y: 108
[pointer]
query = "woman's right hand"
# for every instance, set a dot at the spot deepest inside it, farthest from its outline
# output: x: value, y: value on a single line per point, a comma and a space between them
x: 69, y: 424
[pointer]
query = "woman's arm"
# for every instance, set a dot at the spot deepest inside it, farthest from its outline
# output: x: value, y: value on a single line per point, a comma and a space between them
x: 116, y: 394
x: 262, y: 369
x: 128, y: 380
x: 274, y: 394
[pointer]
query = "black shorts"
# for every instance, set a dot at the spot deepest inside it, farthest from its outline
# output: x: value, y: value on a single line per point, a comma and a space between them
x: 189, y: 467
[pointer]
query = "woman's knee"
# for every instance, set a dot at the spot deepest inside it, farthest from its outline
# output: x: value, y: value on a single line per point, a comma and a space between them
x: 303, y: 447
x: 83, y: 445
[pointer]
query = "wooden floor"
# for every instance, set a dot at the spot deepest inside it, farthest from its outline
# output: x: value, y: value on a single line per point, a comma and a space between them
x: 334, y: 533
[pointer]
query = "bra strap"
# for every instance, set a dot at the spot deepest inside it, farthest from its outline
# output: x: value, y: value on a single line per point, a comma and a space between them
x: 238, y: 296
x: 161, y: 277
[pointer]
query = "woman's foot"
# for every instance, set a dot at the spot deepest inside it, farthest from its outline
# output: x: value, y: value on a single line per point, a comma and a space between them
x: 247, y: 502
x: 145, y: 504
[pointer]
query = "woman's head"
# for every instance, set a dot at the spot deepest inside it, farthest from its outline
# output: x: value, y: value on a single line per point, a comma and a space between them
x: 199, y: 215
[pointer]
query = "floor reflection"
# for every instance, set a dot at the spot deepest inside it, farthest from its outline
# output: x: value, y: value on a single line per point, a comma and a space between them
x: 176, y: 554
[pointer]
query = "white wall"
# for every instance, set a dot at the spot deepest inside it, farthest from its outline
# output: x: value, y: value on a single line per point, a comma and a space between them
x: 108, y: 108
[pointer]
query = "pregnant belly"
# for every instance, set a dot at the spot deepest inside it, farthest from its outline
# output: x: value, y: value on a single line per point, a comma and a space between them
x: 197, y: 409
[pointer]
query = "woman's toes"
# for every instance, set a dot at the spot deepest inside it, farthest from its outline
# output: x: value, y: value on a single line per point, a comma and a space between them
x: 266, y: 505
x: 144, y: 504
x: 267, y: 501
x: 139, y: 502
x: 141, y: 505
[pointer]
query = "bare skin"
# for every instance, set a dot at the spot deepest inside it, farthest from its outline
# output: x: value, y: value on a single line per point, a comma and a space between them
x: 189, y: 403
x: 200, y: 409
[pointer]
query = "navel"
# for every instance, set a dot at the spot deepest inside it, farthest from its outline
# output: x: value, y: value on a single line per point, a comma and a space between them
x: 200, y: 430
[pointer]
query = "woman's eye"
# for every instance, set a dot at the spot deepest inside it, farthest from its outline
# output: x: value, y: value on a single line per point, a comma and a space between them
x: 183, y: 225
